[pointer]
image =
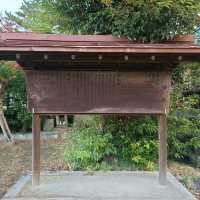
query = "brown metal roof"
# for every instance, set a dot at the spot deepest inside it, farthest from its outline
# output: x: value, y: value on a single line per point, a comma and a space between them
x: 34, y: 42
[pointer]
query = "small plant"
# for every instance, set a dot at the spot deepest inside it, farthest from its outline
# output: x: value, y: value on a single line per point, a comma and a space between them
x: 145, y: 154
x: 88, y: 148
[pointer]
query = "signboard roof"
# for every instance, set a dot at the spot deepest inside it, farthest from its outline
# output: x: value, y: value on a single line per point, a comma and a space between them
x: 35, y: 42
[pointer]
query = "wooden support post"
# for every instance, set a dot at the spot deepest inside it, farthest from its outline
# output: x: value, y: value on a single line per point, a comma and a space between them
x: 36, y: 150
x: 163, y: 150
x: 66, y: 121
x: 57, y: 121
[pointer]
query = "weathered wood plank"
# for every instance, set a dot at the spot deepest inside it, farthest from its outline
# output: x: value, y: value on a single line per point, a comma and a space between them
x: 98, y: 92
x: 36, y: 150
x: 163, y: 150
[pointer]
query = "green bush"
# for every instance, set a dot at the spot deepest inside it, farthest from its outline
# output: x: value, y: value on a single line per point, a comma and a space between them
x: 132, y: 142
x: 16, y: 102
x: 145, y: 154
x: 184, y: 117
x: 113, y: 143
x: 15, y: 99
x: 88, y: 148
x: 135, y: 139
x: 184, y: 129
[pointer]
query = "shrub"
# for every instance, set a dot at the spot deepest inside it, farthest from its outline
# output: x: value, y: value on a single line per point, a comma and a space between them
x: 135, y: 140
x: 184, y: 117
x: 184, y: 129
x: 145, y: 154
x: 113, y: 142
x: 88, y: 148
x: 15, y: 98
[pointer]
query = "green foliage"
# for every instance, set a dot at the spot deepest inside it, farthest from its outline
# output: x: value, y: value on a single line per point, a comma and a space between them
x: 88, y: 148
x: 39, y: 16
x: 145, y: 154
x: 15, y: 98
x: 6, y: 71
x: 191, y: 80
x: 140, y: 20
x: 135, y: 139
x: 113, y: 143
x: 183, y: 120
x: 184, y: 130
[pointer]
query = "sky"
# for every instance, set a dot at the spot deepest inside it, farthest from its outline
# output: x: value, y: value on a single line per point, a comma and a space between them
x: 10, y: 5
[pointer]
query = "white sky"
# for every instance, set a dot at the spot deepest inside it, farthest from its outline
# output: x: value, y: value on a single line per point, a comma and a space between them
x: 10, y: 5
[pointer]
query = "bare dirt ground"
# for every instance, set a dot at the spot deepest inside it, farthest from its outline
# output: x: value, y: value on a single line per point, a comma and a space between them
x: 15, y: 160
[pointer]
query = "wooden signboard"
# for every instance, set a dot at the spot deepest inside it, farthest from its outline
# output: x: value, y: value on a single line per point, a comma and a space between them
x: 140, y: 91
x: 96, y: 74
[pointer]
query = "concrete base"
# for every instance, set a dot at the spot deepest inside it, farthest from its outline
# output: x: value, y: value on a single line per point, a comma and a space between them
x: 99, y: 186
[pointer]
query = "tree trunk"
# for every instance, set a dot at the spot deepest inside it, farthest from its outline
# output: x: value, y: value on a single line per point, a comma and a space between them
x: 5, y: 128
x: 3, y: 122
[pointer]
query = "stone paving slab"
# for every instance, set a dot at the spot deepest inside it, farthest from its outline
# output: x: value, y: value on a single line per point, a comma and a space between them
x: 99, y: 186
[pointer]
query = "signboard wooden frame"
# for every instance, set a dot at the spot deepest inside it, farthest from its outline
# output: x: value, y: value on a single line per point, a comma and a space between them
x: 104, y: 92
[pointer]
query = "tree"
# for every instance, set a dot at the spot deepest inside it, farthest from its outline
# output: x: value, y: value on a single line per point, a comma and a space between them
x: 5, y: 79
x: 15, y: 100
x: 7, y: 25
x: 6, y: 76
x: 38, y: 16
x: 141, y: 20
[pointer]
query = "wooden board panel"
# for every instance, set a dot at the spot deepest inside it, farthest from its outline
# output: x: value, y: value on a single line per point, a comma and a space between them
x: 98, y: 91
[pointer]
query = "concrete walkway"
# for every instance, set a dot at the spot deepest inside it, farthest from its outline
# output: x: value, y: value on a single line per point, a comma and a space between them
x: 99, y: 186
